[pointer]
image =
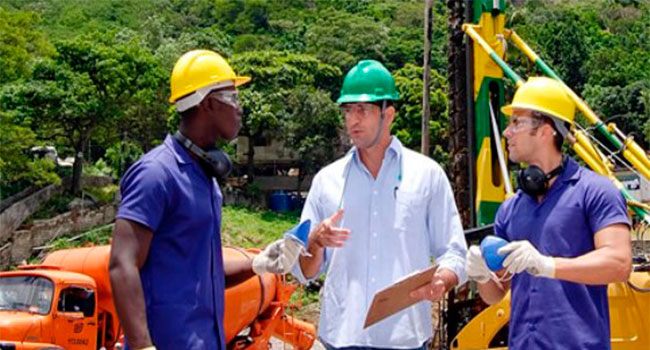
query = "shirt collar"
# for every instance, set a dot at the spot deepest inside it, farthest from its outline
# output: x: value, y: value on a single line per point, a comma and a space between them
x: 181, y: 155
x: 571, y: 170
x: 394, y: 148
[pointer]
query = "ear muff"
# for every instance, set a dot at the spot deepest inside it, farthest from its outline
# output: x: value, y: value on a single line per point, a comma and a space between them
x: 534, y: 181
x: 217, y: 161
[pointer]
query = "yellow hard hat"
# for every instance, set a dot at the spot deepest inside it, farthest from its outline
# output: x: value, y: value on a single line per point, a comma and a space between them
x: 544, y: 95
x: 197, y: 73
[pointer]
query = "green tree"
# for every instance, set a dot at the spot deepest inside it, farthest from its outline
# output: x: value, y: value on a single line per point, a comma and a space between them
x: 18, y: 169
x: 341, y: 39
x: 275, y: 77
x: 89, y: 85
x: 407, y: 124
x: 20, y: 42
x: 312, y: 128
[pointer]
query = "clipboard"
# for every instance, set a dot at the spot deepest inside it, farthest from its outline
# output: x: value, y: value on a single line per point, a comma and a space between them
x: 395, y: 297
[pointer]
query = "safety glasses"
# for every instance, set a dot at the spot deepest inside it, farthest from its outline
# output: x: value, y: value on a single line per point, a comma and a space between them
x: 518, y: 124
x: 364, y: 110
x: 229, y: 97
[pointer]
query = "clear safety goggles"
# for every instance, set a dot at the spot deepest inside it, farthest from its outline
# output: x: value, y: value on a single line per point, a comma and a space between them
x: 518, y: 124
x: 230, y: 97
x: 364, y: 110
x: 197, y: 96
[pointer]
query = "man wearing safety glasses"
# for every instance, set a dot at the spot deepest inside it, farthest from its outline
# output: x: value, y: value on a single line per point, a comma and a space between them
x: 383, y: 212
x: 166, y: 269
x: 568, y: 231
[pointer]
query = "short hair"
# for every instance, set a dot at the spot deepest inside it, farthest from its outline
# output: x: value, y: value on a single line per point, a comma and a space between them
x: 544, y: 118
x: 379, y: 103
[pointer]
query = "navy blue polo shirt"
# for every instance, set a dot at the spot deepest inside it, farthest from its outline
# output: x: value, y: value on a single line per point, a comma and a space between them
x: 549, y: 313
x: 182, y: 278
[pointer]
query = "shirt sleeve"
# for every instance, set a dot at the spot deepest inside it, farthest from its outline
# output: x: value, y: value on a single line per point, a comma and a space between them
x: 313, y: 212
x: 143, y: 195
x: 447, y: 239
x: 605, y: 205
x: 500, y: 222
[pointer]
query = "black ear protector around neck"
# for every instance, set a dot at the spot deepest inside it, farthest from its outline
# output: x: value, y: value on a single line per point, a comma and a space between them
x: 217, y: 162
x: 534, y: 181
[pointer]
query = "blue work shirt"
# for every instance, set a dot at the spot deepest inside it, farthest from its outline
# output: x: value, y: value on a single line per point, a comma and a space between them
x: 398, y: 223
x: 549, y: 313
x: 183, y: 276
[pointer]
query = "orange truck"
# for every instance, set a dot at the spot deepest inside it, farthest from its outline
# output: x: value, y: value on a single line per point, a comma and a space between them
x: 66, y: 303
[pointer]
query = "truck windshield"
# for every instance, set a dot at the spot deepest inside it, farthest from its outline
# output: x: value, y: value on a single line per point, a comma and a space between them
x: 26, y: 293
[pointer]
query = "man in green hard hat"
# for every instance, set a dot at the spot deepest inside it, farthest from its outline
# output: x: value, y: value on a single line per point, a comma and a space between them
x: 381, y: 212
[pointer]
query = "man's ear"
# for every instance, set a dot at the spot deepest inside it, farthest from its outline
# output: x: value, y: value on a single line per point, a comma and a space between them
x: 389, y: 114
x: 550, y: 130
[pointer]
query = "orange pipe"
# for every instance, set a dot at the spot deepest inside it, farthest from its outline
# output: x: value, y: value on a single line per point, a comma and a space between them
x: 298, y: 333
x: 247, y: 300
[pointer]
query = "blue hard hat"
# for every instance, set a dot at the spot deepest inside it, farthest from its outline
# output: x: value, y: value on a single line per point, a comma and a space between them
x: 300, y: 232
x: 489, y: 248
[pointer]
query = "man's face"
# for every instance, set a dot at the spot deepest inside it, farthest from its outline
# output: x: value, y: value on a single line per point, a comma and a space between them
x: 361, y: 122
x: 226, y: 112
x: 521, y: 135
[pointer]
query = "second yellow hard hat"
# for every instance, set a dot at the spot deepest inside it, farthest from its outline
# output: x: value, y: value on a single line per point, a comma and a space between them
x: 543, y: 95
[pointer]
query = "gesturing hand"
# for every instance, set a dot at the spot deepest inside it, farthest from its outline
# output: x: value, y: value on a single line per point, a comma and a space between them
x: 326, y: 234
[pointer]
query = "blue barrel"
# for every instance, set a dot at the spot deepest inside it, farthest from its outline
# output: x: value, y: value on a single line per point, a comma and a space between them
x: 280, y: 201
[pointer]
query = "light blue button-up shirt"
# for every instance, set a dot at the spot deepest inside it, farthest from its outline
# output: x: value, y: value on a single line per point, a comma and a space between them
x: 398, y: 222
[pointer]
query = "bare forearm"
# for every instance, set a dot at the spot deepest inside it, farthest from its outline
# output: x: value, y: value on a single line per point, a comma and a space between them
x: 601, y: 266
x: 492, y: 292
x: 129, y: 303
x: 238, y: 271
x: 310, y: 265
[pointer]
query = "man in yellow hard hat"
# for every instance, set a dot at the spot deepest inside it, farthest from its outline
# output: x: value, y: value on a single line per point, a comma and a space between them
x: 568, y: 231
x: 166, y: 268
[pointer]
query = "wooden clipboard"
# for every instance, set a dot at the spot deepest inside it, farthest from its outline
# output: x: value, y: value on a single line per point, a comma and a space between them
x: 395, y: 297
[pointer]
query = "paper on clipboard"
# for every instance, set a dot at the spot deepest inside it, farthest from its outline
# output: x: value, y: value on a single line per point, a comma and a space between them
x: 395, y: 297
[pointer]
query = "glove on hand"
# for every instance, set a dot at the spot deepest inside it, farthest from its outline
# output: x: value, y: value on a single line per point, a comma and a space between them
x: 523, y: 256
x: 279, y: 257
x: 475, y: 266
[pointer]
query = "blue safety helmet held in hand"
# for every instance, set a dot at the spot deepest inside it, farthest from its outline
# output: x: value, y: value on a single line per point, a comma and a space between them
x: 489, y: 247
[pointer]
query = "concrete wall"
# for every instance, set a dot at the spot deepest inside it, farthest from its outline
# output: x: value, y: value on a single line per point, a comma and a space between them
x: 14, y: 215
x: 18, y: 211
x: 20, y: 244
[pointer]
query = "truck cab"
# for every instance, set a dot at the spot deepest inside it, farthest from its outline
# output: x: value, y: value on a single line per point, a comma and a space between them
x: 44, y: 308
x: 65, y: 303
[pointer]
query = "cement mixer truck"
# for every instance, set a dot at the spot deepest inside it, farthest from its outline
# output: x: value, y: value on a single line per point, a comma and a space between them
x: 66, y: 303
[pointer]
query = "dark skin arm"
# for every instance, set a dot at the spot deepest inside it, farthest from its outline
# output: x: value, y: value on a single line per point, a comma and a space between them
x: 129, y: 250
x: 238, y: 271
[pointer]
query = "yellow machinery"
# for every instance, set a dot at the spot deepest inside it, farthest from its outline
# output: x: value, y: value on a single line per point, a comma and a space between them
x: 629, y: 302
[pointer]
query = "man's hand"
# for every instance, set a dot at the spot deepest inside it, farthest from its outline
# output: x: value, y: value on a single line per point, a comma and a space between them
x: 475, y: 266
x: 433, y: 291
x: 522, y: 256
x: 279, y: 257
x: 442, y: 281
x: 327, y: 235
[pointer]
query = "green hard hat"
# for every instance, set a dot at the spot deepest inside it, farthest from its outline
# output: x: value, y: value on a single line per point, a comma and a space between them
x: 368, y: 81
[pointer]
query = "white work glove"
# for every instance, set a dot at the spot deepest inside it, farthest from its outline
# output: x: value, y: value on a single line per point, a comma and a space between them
x: 522, y: 256
x: 279, y: 257
x: 476, y: 267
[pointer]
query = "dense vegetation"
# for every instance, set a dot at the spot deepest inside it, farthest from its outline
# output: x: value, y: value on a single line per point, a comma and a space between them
x: 91, y: 77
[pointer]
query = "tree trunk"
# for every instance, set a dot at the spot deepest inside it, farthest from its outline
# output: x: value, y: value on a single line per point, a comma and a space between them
x: 77, y: 167
x: 426, y: 111
x: 456, y: 66
x: 250, y: 164
x: 458, y: 137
